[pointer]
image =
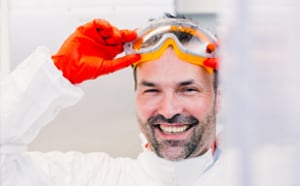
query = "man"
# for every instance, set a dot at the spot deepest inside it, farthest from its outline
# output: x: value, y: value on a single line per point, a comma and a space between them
x: 175, y: 72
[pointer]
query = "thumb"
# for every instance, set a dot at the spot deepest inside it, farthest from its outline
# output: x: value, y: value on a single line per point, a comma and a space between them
x: 109, y: 66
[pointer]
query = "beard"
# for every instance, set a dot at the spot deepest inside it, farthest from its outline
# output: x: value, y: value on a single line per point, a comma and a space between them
x: 203, y: 132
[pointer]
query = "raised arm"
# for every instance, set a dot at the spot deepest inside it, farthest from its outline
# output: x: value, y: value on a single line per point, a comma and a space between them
x: 43, y: 84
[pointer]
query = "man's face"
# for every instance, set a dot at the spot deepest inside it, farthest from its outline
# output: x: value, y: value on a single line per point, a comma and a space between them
x: 176, y: 107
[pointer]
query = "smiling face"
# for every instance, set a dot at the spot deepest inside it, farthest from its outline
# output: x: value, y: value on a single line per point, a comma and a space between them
x: 176, y: 107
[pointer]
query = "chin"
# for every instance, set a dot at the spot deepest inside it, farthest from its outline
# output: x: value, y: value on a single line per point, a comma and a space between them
x: 173, y: 154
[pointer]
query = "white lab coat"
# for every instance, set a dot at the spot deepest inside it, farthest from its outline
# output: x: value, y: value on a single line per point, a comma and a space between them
x: 31, y: 96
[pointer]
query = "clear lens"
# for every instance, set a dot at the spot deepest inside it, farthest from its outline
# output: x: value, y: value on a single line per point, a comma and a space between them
x: 189, y: 37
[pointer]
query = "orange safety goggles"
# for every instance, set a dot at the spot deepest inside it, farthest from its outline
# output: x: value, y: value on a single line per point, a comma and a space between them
x: 190, y: 42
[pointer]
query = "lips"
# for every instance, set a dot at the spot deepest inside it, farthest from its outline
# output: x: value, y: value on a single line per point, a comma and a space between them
x: 175, y: 128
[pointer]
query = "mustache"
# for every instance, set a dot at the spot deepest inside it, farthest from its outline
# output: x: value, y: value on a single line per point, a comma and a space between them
x: 178, y: 118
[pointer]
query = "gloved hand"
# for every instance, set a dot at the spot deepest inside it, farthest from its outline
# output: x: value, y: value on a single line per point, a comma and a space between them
x: 212, y: 63
x: 90, y: 51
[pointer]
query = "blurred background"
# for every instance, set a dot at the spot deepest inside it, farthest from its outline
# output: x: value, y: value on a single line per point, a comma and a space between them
x: 260, y: 79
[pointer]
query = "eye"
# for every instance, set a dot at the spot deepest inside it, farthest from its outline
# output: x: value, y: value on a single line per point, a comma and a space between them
x: 151, y: 91
x: 189, y: 90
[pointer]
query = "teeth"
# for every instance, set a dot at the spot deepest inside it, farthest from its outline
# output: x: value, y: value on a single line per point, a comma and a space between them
x: 173, y: 129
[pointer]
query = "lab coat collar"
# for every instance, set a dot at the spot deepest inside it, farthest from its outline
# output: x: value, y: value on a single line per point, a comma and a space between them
x: 184, y: 172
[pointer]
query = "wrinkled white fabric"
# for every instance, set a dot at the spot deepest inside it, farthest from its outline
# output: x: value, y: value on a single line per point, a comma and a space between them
x: 33, y: 95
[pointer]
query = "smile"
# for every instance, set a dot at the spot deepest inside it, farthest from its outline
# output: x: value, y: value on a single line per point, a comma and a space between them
x: 174, y: 129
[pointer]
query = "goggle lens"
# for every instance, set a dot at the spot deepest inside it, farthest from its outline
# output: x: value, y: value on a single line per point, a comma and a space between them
x: 190, y: 42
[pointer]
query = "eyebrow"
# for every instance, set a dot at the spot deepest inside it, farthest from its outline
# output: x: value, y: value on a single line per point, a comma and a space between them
x: 184, y: 83
x: 147, y: 84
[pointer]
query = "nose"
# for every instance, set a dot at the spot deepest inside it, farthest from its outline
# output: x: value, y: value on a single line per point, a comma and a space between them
x: 170, y: 105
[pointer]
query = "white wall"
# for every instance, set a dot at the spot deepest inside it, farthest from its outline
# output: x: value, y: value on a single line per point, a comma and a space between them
x: 104, y: 120
x: 203, y: 12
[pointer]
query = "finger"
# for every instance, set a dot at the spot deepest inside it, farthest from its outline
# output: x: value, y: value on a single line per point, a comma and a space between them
x: 212, y: 63
x: 128, y: 35
x: 111, y: 51
x: 115, y: 38
x: 119, y: 63
x: 104, y: 28
x: 97, y: 29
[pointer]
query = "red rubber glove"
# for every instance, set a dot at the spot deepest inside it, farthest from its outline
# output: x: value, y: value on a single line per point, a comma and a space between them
x: 212, y: 63
x: 90, y: 51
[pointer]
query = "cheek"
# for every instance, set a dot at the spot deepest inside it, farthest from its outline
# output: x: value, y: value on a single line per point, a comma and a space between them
x: 145, y: 107
x: 199, y: 108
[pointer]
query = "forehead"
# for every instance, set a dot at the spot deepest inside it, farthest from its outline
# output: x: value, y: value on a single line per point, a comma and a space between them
x: 169, y: 68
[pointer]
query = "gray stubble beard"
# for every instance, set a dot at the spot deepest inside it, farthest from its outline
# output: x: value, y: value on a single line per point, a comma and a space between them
x: 195, y: 147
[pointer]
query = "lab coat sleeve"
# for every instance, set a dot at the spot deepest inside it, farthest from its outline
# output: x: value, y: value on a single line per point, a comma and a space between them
x: 31, y: 96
